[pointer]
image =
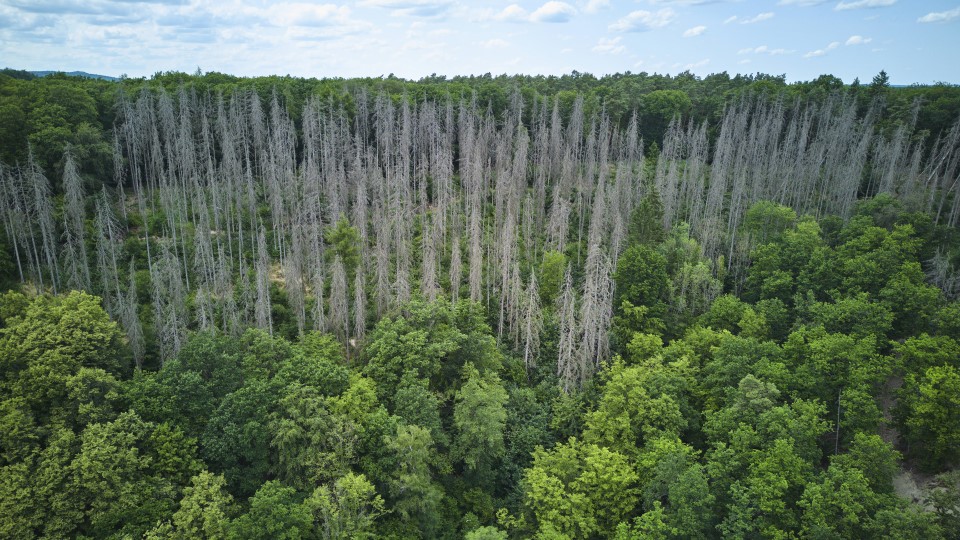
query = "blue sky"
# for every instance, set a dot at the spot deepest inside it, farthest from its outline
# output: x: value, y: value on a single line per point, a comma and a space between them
x: 914, y: 41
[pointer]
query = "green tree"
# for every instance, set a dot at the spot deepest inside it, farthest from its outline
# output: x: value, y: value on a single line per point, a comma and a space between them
x: 236, y: 442
x: 276, y: 512
x: 416, y: 404
x: 73, y: 328
x: 767, y: 222
x: 642, y: 283
x: 646, y: 221
x: 479, y: 417
x: 632, y: 410
x: 414, y: 495
x: 552, y: 269
x: 838, y: 505
x: 659, y: 108
x: 933, y: 423
x: 878, y: 461
x: 649, y: 526
x: 347, y: 509
x: 121, y: 488
x: 765, y: 500
x: 188, y: 389
x: 580, y: 490
x: 486, y: 533
x: 344, y: 241
x: 433, y: 339
x: 921, y: 352
x: 676, y: 484
x: 205, y: 511
x: 945, y: 499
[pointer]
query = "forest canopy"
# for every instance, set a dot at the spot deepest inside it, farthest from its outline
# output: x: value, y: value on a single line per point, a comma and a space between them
x: 633, y: 306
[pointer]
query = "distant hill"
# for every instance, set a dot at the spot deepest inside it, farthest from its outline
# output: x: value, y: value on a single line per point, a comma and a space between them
x: 76, y: 74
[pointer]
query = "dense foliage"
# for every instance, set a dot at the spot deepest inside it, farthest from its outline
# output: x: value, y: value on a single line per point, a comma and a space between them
x: 628, y: 307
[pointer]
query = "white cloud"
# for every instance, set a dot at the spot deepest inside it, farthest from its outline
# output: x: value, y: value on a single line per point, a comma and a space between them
x: 594, y: 6
x: 857, y: 4
x: 695, y: 31
x: 801, y: 3
x: 550, y: 12
x: 512, y: 12
x: 415, y: 8
x: 640, y: 21
x: 495, y: 43
x: 730, y: 19
x: 58, y: 7
x: 299, y: 14
x: 553, y: 12
x: 609, y: 46
x: 820, y: 52
x: 940, y: 16
x: 858, y: 40
x: 698, y: 64
x: 763, y: 49
x: 759, y: 18
x: 685, y: 2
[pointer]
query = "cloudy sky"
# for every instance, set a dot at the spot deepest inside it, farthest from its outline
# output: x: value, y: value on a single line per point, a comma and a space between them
x: 913, y: 40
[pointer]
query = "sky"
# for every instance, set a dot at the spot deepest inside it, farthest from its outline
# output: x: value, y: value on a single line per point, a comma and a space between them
x: 914, y: 41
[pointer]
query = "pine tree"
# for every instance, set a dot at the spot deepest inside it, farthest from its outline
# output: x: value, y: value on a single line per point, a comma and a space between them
x: 359, y: 307
x: 532, y: 324
x: 570, y: 370
x: 107, y: 243
x: 339, y: 321
x: 130, y: 319
x: 456, y: 272
x: 262, y: 308
x: 75, y: 251
x: 41, y: 213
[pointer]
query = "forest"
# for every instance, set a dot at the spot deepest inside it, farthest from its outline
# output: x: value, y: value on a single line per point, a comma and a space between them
x: 634, y: 306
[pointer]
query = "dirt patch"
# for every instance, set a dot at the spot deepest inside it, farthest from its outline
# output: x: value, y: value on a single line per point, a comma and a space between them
x: 914, y: 487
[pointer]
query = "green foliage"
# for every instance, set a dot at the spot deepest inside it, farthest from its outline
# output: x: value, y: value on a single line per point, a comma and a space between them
x: 479, y: 417
x: 945, y: 499
x: 580, y: 490
x: 646, y: 221
x: 724, y: 313
x: 73, y: 326
x: 415, y: 404
x: 733, y: 359
x: 552, y: 269
x: 435, y: 340
x: 837, y: 505
x: 347, y: 509
x: 276, y: 512
x: 188, y: 388
x: 767, y: 222
x: 344, y: 241
x: 642, y: 283
x: 205, y: 511
x: 659, y: 108
x: 415, y: 497
x: 486, y: 533
x: 931, y: 403
x: 634, y: 409
x: 236, y: 441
